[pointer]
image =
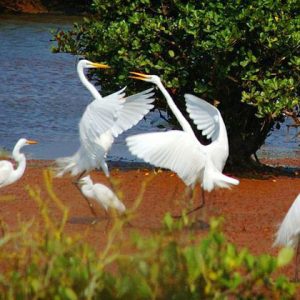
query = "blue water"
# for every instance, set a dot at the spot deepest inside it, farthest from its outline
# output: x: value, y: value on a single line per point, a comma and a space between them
x: 42, y: 98
x: 282, y: 143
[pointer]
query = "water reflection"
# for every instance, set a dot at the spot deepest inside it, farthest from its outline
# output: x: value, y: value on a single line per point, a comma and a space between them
x: 42, y: 98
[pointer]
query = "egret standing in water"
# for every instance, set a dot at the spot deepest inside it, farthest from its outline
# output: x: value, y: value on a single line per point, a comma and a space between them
x: 180, y: 150
x: 8, y: 174
x: 101, y: 194
x: 103, y: 120
x: 288, y: 233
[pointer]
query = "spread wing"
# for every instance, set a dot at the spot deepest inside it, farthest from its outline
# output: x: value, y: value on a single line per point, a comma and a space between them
x: 6, y: 169
x: 133, y: 110
x: 100, y: 115
x: 205, y: 116
x: 175, y: 150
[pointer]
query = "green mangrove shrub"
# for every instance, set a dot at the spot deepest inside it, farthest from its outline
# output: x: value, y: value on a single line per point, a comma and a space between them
x: 245, y: 54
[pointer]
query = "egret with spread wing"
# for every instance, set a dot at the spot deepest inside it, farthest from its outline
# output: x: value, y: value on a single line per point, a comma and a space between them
x: 8, y: 174
x: 180, y: 150
x: 103, y: 120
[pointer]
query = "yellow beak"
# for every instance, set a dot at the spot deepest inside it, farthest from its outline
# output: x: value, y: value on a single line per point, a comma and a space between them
x: 139, y: 76
x: 100, y: 66
x: 31, y: 142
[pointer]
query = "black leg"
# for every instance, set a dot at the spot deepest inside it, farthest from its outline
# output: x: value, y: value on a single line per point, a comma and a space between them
x: 78, y: 178
x: 202, y: 203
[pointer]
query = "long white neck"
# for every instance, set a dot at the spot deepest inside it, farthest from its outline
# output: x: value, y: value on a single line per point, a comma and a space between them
x: 179, y: 116
x: 87, y: 190
x: 86, y: 83
x: 21, y: 161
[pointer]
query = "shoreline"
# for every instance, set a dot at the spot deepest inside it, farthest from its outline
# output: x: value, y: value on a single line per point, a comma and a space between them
x: 281, y: 167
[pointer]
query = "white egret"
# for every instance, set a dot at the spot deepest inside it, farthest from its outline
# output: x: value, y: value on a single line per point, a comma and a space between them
x: 8, y: 174
x: 180, y: 150
x: 101, y: 194
x: 103, y: 120
x: 288, y: 233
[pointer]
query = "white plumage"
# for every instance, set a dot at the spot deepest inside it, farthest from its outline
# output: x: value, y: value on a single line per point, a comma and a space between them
x: 180, y: 151
x: 103, y: 120
x: 289, y: 229
x: 8, y: 174
x: 101, y: 194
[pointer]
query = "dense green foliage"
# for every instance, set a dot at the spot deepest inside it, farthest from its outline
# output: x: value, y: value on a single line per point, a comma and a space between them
x: 245, y: 54
x: 173, y: 263
x: 51, y: 265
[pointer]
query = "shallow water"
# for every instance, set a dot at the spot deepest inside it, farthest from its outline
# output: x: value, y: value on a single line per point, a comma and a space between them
x: 282, y: 143
x: 42, y: 98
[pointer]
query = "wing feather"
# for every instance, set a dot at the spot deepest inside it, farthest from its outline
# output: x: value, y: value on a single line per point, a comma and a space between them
x: 134, y: 109
x: 205, y: 116
x: 97, y: 119
x: 100, y: 116
x: 94, y: 126
x: 174, y: 150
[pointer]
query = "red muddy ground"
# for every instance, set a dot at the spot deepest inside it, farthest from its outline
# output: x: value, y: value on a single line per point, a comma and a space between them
x: 251, y: 210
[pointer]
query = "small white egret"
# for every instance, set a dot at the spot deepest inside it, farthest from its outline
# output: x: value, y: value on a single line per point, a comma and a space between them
x: 180, y: 151
x: 103, y: 120
x: 288, y: 233
x: 101, y: 194
x: 8, y: 174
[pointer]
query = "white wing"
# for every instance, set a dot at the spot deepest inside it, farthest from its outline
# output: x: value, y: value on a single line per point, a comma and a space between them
x: 133, y: 110
x: 287, y: 234
x: 99, y: 116
x: 6, y: 169
x: 205, y: 116
x: 95, y: 137
x: 174, y: 150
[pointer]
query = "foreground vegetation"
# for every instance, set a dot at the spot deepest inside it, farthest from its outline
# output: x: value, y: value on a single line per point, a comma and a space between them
x: 245, y: 54
x: 43, y: 262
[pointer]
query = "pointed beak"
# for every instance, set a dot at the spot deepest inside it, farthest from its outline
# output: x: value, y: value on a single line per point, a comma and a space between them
x: 139, y: 76
x: 100, y: 66
x: 216, y: 103
x: 31, y: 142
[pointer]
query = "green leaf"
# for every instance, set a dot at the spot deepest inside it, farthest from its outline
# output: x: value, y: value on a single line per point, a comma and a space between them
x: 168, y: 221
x: 285, y: 256
x: 171, y: 53
x: 70, y: 294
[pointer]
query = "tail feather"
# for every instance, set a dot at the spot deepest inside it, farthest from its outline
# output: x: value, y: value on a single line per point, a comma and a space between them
x: 72, y: 164
x: 65, y: 165
x: 213, y: 179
